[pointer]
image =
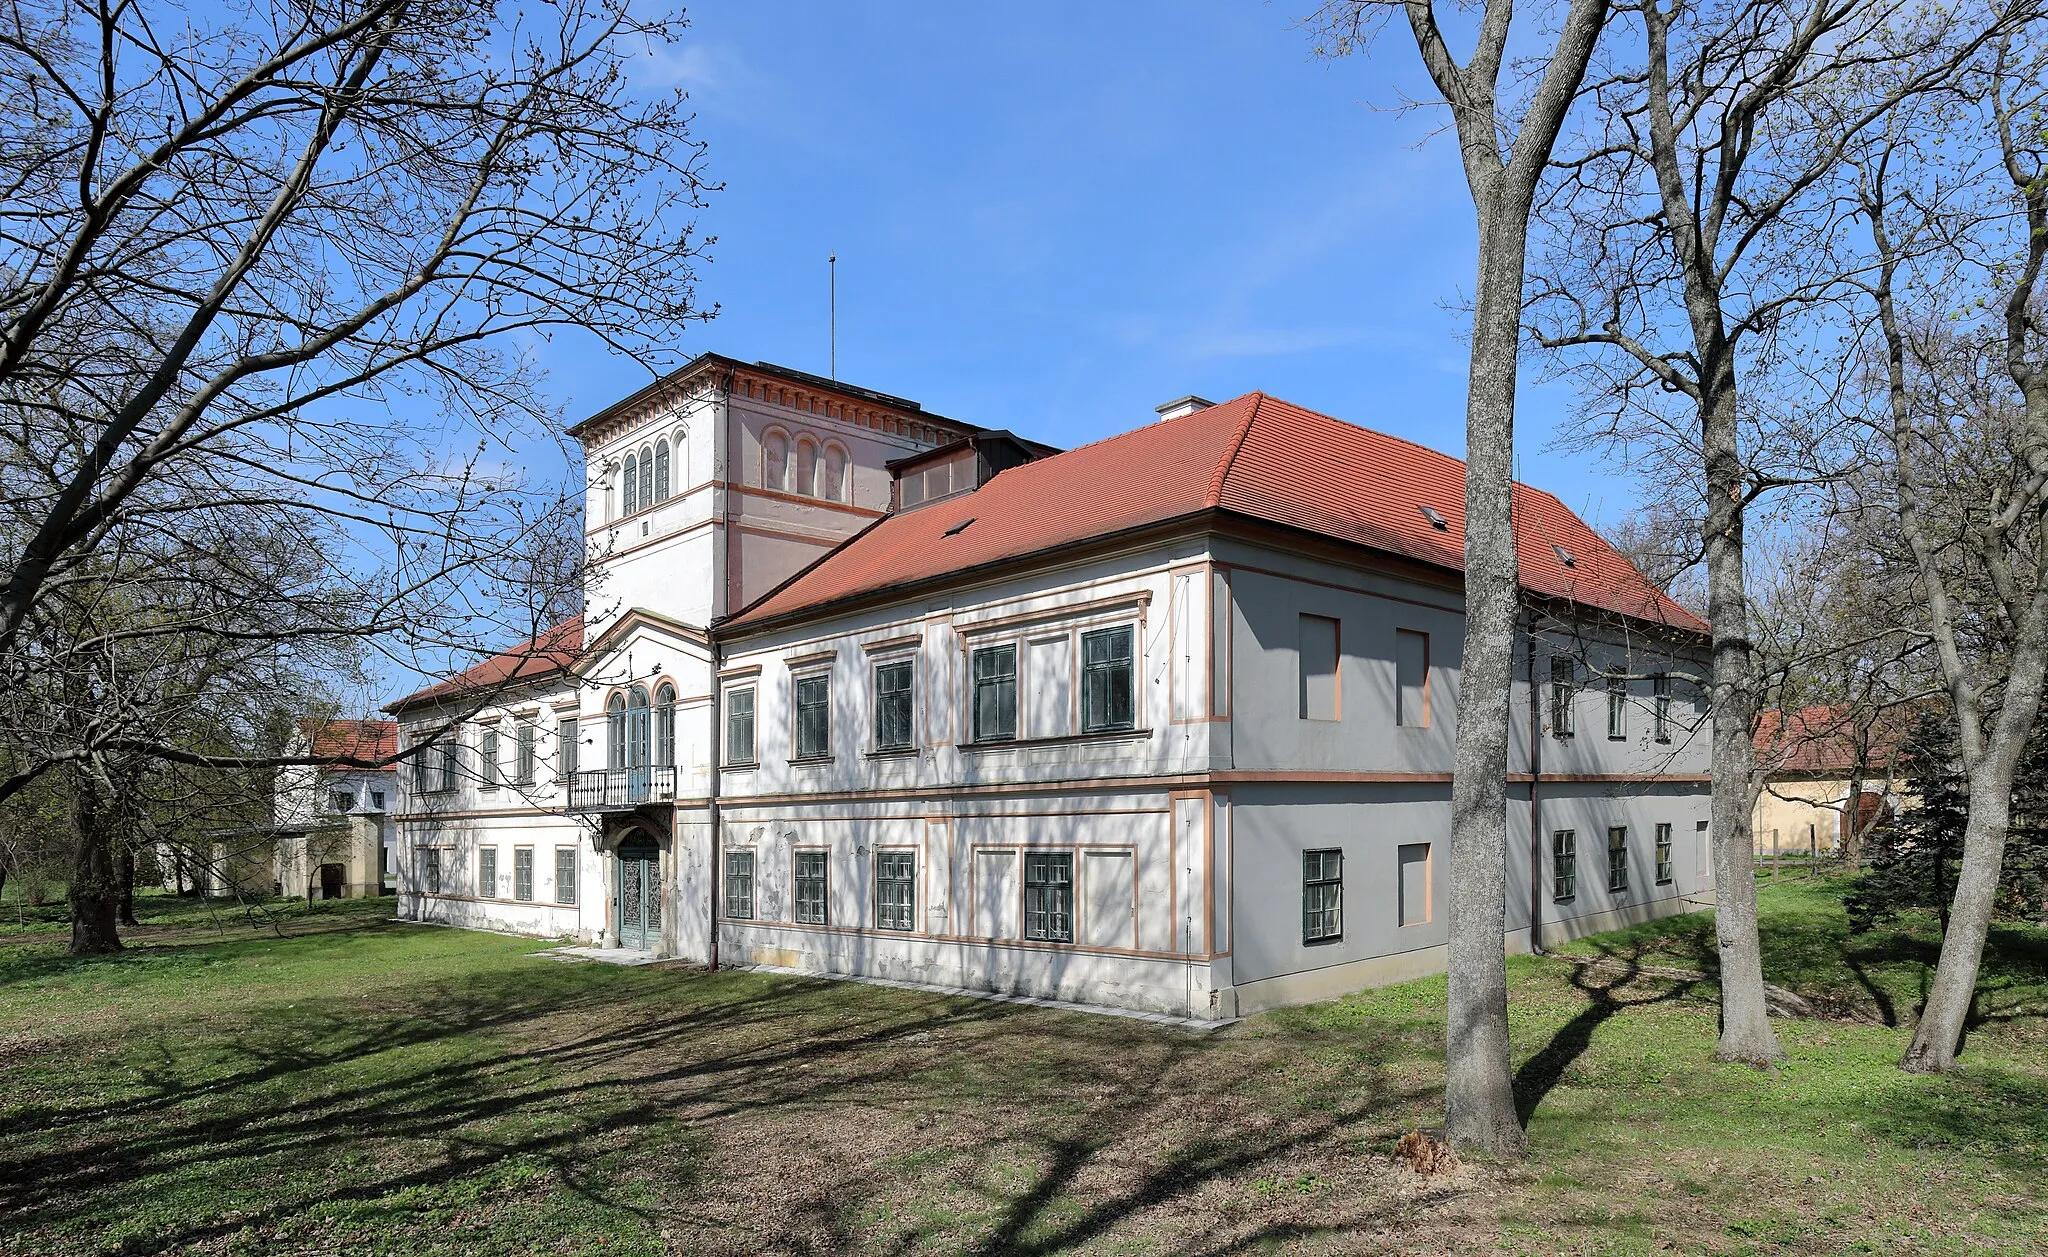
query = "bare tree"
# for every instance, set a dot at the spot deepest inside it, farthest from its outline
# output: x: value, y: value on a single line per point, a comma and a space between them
x: 1966, y: 411
x: 1505, y: 144
x: 269, y: 268
x: 1696, y: 242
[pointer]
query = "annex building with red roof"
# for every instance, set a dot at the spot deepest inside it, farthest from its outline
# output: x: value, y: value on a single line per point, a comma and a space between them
x: 1830, y: 776
x: 1163, y: 722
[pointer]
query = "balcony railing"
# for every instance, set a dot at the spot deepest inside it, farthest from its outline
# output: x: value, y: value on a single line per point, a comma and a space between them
x: 619, y: 789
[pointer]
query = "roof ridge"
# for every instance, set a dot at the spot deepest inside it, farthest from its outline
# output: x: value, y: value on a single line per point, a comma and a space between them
x: 1229, y: 460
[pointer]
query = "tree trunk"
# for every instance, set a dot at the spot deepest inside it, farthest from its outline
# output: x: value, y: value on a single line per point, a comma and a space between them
x: 95, y: 896
x: 1746, y: 1033
x: 1939, y: 1035
x: 124, y: 873
x: 1479, y: 1091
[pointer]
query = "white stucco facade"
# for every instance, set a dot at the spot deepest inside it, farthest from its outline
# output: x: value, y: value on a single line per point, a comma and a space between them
x: 1224, y: 783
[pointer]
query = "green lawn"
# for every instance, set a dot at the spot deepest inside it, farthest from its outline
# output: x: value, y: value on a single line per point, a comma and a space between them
x: 353, y: 1085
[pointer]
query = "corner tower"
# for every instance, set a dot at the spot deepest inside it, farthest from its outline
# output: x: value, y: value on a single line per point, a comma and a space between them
x: 711, y: 486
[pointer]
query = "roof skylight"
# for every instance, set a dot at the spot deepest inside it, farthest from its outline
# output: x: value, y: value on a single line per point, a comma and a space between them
x: 1564, y: 556
x: 1436, y: 518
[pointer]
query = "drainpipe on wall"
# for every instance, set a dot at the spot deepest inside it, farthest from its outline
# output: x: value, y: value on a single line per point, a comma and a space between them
x: 1535, y: 796
x: 717, y: 727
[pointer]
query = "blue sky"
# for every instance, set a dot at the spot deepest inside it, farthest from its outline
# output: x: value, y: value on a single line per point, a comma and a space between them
x: 1053, y: 217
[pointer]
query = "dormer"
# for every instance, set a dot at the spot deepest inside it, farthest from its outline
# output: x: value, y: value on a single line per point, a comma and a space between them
x: 958, y: 467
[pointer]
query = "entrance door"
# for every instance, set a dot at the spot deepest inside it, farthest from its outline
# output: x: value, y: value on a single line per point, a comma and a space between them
x: 639, y: 898
x: 331, y: 877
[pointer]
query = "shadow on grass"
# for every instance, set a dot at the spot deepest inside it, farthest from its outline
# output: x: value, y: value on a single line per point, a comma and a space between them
x: 614, y: 1085
x: 1882, y: 975
x: 1541, y: 1073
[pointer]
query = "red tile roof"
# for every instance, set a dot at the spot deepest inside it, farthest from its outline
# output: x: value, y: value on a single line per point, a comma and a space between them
x: 544, y: 655
x: 1825, y: 740
x: 369, y: 740
x: 1255, y: 456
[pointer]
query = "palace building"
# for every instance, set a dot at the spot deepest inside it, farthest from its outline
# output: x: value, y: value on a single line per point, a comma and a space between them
x: 1163, y: 722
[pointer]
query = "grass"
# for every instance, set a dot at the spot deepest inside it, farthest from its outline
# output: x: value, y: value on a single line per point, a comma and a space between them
x: 336, y: 1082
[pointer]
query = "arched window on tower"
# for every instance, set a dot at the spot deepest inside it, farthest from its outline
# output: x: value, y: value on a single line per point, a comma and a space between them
x: 665, y: 726
x: 630, y: 479
x: 806, y: 467
x: 832, y: 481
x: 647, y: 497
x: 775, y: 461
x: 661, y: 470
x: 615, y: 731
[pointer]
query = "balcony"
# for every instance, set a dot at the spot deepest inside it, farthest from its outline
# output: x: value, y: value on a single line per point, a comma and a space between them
x: 621, y: 789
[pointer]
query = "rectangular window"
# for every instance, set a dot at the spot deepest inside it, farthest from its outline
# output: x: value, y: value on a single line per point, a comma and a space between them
x: 739, y: 725
x: 341, y: 801
x: 739, y: 885
x: 810, y: 888
x: 1617, y: 708
x: 1106, y: 674
x: 1564, y: 864
x: 896, y: 890
x: 428, y: 860
x: 377, y: 800
x: 893, y: 705
x: 1048, y: 897
x: 1660, y: 709
x: 1663, y: 855
x: 487, y: 872
x: 565, y: 875
x: 522, y: 755
x: 1563, y: 680
x: 1617, y: 860
x: 567, y: 739
x: 814, y: 716
x: 1317, y: 646
x: 995, y: 693
x: 1412, y: 859
x: 1411, y: 679
x: 447, y: 756
x: 488, y: 753
x: 522, y: 874
x: 1322, y: 896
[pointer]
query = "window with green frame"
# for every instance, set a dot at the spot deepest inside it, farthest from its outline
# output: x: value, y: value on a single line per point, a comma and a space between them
x: 1617, y: 860
x: 1564, y: 864
x: 739, y: 885
x: 995, y: 693
x: 565, y: 875
x: 896, y: 890
x: 739, y: 725
x: 1322, y: 895
x: 810, y: 888
x: 487, y: 873
x: 1663, y: 855
x: 1049, y: 896
x: 522, y: 874
x: 1106, y: 692
x: 893, y: 705
x: 814, y: 716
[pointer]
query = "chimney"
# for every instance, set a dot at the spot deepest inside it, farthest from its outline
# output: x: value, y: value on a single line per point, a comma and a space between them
x: 1183, y: 406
